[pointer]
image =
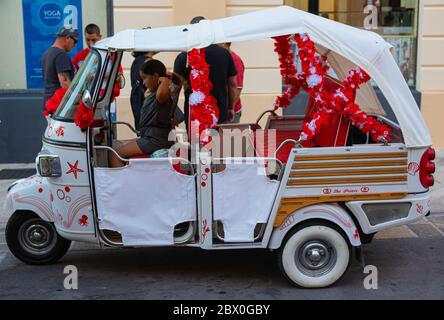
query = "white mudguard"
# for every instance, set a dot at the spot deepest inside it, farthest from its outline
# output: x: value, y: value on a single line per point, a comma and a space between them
x: 328, y: 212
x: 31, y: 194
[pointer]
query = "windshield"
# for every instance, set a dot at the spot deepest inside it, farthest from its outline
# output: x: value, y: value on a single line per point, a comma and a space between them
x: 83, y: 80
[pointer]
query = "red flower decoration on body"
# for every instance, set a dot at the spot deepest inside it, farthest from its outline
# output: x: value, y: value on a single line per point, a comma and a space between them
x: 53, y: 103
x: 288, y: 72
x: 83, y: 221
x: 84, y: 117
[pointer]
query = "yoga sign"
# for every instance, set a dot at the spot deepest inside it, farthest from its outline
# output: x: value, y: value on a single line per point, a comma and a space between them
x: 41, y: 20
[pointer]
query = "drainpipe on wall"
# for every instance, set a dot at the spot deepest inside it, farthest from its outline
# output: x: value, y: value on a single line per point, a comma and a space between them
x: 110, y: 17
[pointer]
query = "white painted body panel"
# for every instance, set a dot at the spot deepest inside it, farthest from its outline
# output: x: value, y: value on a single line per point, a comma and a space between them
x: 420, y: 207
x: 415, y: 155
x: 60, y: 131
x: 327, y: 212
x: 32, y: 194
x: 65, y: 200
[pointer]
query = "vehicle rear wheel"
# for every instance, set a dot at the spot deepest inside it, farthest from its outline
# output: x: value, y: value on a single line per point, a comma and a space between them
x: 314, y: 256
x: 33, y: 240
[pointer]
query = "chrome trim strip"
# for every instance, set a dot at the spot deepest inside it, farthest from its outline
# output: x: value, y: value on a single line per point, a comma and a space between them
x: 79, y: 145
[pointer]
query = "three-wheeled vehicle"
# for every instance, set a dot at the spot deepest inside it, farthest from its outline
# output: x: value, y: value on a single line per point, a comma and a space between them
x: 315, y: 208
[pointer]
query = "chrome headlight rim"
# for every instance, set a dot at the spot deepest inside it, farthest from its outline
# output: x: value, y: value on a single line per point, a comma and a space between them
x: 52, y: 164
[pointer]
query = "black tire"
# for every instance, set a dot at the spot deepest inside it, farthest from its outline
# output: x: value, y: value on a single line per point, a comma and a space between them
x: 331, y: 276
x: 33, y: 240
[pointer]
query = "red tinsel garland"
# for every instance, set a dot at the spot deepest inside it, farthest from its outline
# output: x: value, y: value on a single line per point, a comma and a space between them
x: 312, y: 79
x: 53, y: 103
x: 288, y: 72
x: 84, y: 116
x: 204, y: 113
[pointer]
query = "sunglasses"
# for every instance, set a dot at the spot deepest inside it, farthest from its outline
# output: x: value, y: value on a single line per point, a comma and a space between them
x: 74, y: 39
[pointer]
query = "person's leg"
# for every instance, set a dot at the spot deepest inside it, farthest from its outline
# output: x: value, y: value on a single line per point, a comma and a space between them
x: 127, y: 150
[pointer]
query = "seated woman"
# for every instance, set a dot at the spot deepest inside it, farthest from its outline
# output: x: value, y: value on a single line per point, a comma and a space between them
x: 155, y: 116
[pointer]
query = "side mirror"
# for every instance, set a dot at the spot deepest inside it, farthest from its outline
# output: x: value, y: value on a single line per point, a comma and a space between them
x: 121, y: 81
x: 86, y: 99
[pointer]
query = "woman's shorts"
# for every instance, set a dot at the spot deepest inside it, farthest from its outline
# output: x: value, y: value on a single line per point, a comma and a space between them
x: 148, y: 146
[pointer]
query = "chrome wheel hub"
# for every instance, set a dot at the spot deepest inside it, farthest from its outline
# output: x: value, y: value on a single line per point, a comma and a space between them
x: 315, y: 258
x: 315, y: 255
x: 37, y: 236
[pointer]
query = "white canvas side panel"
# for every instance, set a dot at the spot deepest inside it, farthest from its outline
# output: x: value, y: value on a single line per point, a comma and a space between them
x: 242, y: 197
x: 144, y: 201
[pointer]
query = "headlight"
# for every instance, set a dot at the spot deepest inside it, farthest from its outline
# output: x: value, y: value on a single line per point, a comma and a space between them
x: 49, y: 166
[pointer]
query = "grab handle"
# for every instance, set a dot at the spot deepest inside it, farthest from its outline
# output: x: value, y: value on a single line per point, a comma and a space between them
x: 128, y: 125
x: 263, y: 114
x: 297, y: 143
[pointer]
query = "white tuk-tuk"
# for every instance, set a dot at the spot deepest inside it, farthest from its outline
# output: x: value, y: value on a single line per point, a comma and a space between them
x: 318, y: 205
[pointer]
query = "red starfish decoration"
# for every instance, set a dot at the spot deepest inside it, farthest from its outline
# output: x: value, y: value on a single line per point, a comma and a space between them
x: 74, y: 169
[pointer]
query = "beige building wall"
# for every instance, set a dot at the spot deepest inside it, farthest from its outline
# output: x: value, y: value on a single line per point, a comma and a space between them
x: 431, y: 67
x: 12, y: 62
x: 94, y: 12
x: 262, y: 82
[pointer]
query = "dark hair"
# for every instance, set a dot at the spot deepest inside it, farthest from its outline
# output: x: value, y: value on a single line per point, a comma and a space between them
x: 136, y: 54
x: 197, y: 19
x: 92, y: 29
x: 153, y: 66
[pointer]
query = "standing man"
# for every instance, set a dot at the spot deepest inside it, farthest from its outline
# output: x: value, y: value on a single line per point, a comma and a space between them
x: 222, y: 75
x: 240, y: 68
x: 92, y: 35
x: 57, y: 67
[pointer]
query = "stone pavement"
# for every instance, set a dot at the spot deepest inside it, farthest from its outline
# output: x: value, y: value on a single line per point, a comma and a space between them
x: 430, y: 227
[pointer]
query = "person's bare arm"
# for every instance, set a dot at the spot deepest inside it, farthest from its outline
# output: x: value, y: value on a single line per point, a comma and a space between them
x: 163, y: 91
x: 232, y: 94
x: 238, y: 94
x: 64, y: 79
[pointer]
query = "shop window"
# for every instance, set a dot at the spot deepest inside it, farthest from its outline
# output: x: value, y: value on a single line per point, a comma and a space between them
x: 394, y: 20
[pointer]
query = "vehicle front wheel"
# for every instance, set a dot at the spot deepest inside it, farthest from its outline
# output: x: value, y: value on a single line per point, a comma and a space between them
x: 314, y: 256
x: 33, y: 240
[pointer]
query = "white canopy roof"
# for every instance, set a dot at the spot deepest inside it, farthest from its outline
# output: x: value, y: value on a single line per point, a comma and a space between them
x: 363, y: 48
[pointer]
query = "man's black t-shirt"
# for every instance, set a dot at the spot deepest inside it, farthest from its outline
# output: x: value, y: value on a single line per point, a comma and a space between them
x: 221, y: 68
x: 53, y: 62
